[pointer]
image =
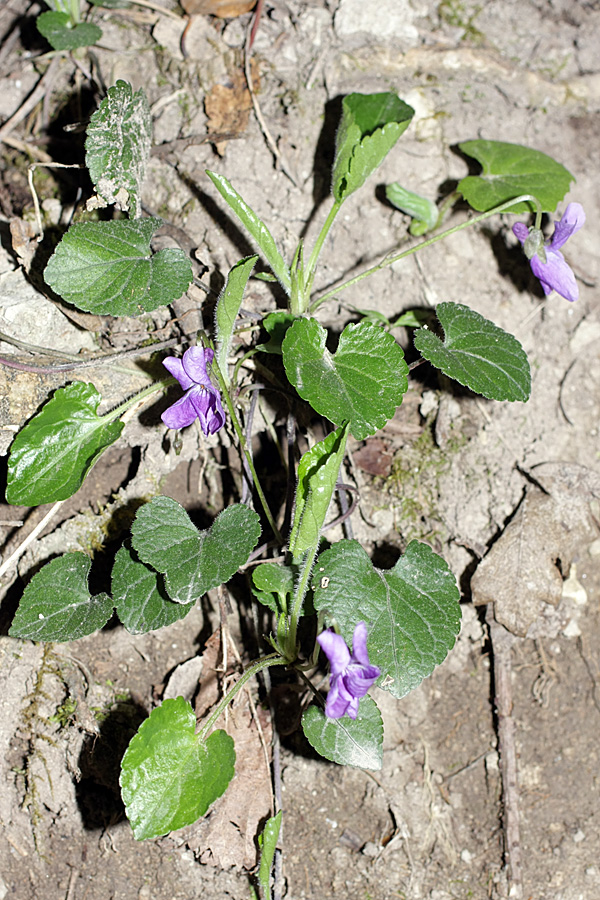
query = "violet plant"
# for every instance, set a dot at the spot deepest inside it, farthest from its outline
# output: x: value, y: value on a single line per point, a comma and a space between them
x: 400, y: 622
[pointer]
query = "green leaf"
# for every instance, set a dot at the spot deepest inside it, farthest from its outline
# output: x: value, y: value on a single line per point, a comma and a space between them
x: 317, y: 476
x: 52, y: 454
x: 108, y: 268
x: 267, y: 841
x: 257, y: 230
x: 193, y: 561
x: 56, y: 604
x: 117, y: 147
x: 62, y: 34
x: 139, y: 595
x: 169, y: 775
x: 111, y: 4
x: 412, y: 611
x: 424, y: 212
x: 477, y: 353
x: 510, y: 170
x: 228, y: 308
x: 348, y: 742
x: 276, y: 325
x: 370, y: 126
x: 272, y: 579
x: 363, y: 382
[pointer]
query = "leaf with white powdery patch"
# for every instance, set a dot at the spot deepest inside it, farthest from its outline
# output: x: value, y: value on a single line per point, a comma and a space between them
x: 348, y: 742
x: 117, y: 148
x: 193, y: 562
x: 52, y: 454
x: 362, y: 382
x: 477, y: 353
x: 57, y: 605
x: 108, y: 268
x: 412, y: 611
x: 169, y: 775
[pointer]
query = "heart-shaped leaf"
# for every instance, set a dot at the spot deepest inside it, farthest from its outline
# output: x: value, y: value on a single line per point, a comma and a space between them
x: 140, y: 597
x: 62, y: 34
x: 370, y: 126
x: 193, y: 561
x: 117, y: 167
x: 412, y: 611
x: 169, y: 776
x: 108, y: 268
x: 57, y: 605
x: 510, y: 170
x: 477, y: 353
x: 52, y: 454
x: 348, y: 742
x: 362, y: 382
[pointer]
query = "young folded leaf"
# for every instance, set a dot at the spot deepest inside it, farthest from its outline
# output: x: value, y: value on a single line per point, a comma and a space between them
x: 370, y: 126
x: 257, y: 230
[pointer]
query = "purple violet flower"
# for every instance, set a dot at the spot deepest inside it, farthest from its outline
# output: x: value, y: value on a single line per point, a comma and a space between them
x: 201, y: 398
x: 351, y: 675
x: 547, y: 262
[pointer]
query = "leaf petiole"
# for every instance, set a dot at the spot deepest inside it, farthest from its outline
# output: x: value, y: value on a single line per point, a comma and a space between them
x: 273, y: 659
x: 389, y: 260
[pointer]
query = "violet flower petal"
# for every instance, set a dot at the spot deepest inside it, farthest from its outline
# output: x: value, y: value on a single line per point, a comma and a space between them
x: 202, y: 399
x: 521, y: 231
x: 195, y: 362
x: 555, y: 275
x: 351, y: 674
x: 335, y: 649
x: 209, y: 410
x: 358, y: 679
x: 180, y: 414
x: 573, y: 219
x: 175, y: 366
x: 338, y: 700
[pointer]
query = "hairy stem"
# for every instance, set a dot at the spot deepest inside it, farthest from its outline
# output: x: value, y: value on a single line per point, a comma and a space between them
x: 247, y: 455
x: 389, y: 260
x: 274, y: 659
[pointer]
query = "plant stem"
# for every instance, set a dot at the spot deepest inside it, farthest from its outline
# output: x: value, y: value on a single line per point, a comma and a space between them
x: 146, y: 392
x: 247, y: 455
x: 314, y: 256
x: 274, y: 659
x: 389, y: 260
x: 301, y: 589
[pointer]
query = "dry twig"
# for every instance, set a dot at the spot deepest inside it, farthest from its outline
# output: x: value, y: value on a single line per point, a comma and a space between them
x: 502, y: 641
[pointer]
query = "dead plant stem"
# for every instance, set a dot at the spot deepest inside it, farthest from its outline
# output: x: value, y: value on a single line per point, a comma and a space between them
x: 502, y: 642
